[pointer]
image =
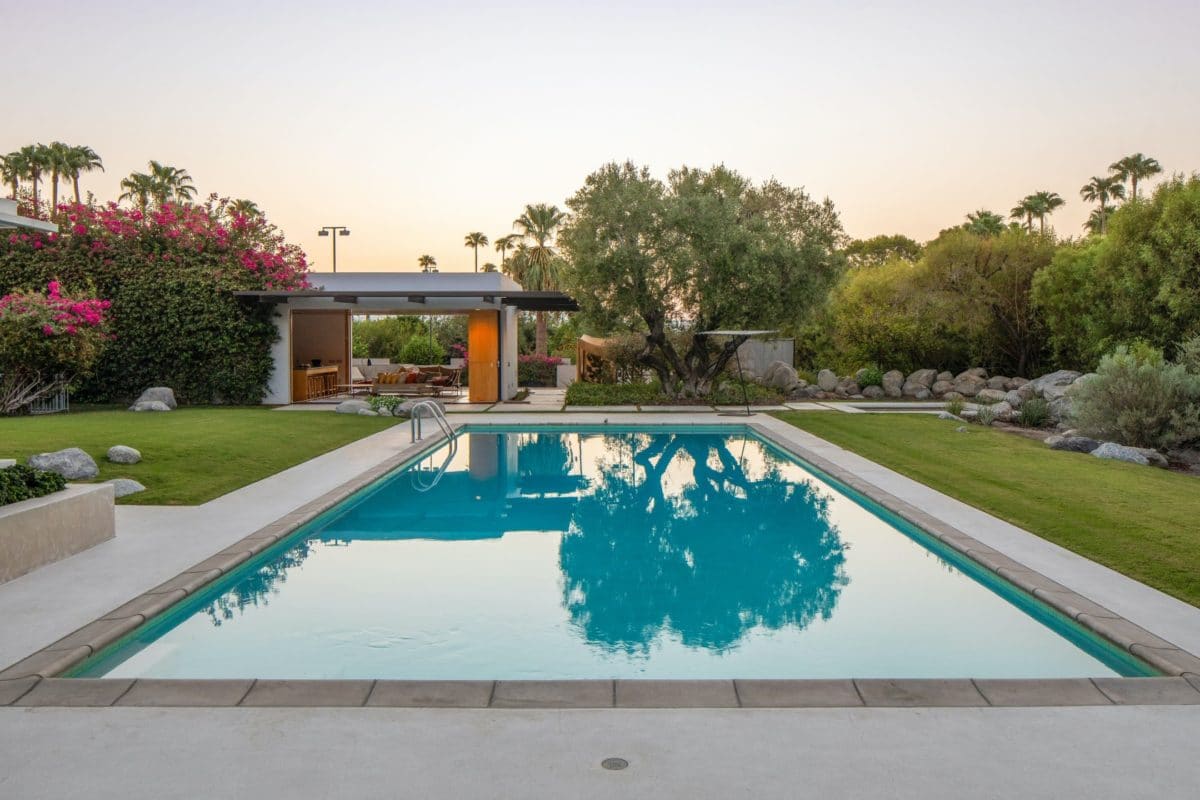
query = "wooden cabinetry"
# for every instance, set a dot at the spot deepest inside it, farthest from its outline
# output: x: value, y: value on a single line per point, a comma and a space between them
x: 310, y: 383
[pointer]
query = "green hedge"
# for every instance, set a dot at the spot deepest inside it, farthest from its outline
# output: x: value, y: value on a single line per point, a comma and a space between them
x: 621, y: 394
x: 20, y: 482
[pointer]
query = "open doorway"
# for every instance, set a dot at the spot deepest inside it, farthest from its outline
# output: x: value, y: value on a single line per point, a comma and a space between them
x: 320, y: 353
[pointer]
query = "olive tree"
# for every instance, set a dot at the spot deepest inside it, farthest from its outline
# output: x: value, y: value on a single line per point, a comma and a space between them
x: 703, y: 250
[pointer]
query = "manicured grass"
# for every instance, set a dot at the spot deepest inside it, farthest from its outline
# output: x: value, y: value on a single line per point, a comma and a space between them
x: 1140, y: 521
x: 190, y: 455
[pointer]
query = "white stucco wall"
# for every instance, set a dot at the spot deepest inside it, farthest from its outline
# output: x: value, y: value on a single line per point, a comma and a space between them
x: 279, y: 387
x: 508, y: 353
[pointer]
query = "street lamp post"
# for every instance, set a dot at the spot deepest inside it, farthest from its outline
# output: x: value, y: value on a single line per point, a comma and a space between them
x: 334, y: 231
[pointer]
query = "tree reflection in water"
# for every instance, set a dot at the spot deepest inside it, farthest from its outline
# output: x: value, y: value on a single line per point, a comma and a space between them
x: 256, y: 588
x: 712, y: 560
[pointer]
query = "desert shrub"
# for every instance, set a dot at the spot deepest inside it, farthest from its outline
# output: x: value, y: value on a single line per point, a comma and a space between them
x: 955, y: 406
x: 389, y: 402
x: 985, y: 416
x: 1188, y: 355
x: 534, y: 370
x: 21, y: 482
x: 730, y: 393
x: 1067, y: 295
x: 384, y: 337
x: 1137, y: 398
x: 1034, y: 413
x: 872, y: 376
x: 612, y: 394
x: 419, y: 350
x: 170, y: 275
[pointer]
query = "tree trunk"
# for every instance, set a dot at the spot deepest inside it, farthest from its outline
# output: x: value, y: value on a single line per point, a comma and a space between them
x: 36, y: 177
x: 53, y: 192
x: 540, y: 337
x: 476, y: 258
x: 75, y: 182
x: 1133, y: 185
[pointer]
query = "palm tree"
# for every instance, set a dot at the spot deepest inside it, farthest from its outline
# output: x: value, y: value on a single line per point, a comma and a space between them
x: 1026, y: 209
x: 246, y: 208
x: 476, y: 240
x: 138, y: 189
x: 1133, y: 168
x: 1100, y: 190
x: 1046, y: 203
x: 13, y: 167
x: 535, y: 264
x: 170, y: 183
x: 985, y: 223
x: 1096, y: 220
x: 490, y: 267
x: 80, y: 159
x: 428, y: 263
x: 36, y: 159
x: 57, y: 157
x: 506, y: 243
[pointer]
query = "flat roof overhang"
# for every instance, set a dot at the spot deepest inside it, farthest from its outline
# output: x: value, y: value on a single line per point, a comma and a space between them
x: 523, y: 300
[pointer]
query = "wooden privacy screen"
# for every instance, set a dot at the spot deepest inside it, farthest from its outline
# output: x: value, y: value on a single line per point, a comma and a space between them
x: 483, y: 356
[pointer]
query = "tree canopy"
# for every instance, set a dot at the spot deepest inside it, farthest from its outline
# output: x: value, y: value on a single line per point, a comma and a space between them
x: 704, y: 250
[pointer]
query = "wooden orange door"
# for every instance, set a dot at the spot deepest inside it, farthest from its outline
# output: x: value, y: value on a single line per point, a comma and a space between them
x: 483, y: 356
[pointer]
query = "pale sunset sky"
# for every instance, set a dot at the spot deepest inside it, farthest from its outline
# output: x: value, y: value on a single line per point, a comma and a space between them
x: 415, y: 123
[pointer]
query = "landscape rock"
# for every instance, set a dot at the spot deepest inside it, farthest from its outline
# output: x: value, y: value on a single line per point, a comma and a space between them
x: 352, y: 406
x: 1062, y: 378
x: 861, y: 375
x: 125, y: 486
x: 961, y: 429
x: 1026, y: 391
x: 1014, y: 398
x: 952, y: 395
x: 1131, y: 455
x: 781, y: 376
x: 162, y: 394
x: 384, y: 411
x: 1003, y: 411
x: 1072, y: 444
x: 405, y: 408
x: 72, y: 463
x: 940, y: 387
x: 873, y: 392
x: 149, y: 405
x: 367, y: 412
x: 1060, y: 409
x: 827, y: 380
x: 120, y: 454
x: 848, y: 387
x: 5, y: 463
x: 970, y: 385
x: 989, y: 395
x: 893, y: 383
x: 946, y: 376
x: 974, y: 372
x: 948, y: 415
x: 1016, y: 383
x: 1078, y: 383
x: 924, y: 377
x: 997, y: 382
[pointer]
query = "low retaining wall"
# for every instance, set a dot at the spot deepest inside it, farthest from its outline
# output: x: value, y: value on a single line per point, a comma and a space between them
x: 43, y: 530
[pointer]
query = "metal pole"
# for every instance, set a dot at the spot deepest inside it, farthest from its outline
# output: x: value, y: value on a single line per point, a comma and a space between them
x: 333, y: 235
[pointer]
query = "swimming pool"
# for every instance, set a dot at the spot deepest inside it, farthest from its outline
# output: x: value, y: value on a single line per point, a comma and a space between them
x: 544, y: 553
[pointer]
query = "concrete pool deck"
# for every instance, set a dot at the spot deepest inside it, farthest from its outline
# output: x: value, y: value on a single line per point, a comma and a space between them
x: 154, y: 544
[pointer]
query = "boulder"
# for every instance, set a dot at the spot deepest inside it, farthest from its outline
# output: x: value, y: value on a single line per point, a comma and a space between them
x: 861, y: 375
x: 120, y: 454
x: 149, y: 405
x: 367, y: 412
x: 925, y: 377
x: 162, y: 394
x: 997, y: 382
x: 990, y: 396
x: 952, y: 395
x: 940, y: 387
x: 124, y: 486
x: 1063, y: 378
x: 1016, y: 383
x: 1026, y: 391
x: 1119, y: 452
x: 970, y: 385
x: 1072, y: 444
x: 1003, y: 411
x: 5, y: 463
x: 72, y: 463
x: 848, y: 387
x: 1060, y: 409
x: 946, y: 376
x: 948, y: 415
x: 893, y: 383
x: 873, y: 392
x: 1079, y: 382
x: 1014, y: 398
x: 405, y: 408
x: 384, y: 411
x: 781, y: 376
x: 974, y: 372
x: 827, y: 380
x: 352, y: 406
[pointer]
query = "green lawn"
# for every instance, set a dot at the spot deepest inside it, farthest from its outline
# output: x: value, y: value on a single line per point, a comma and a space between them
x: 1140, y: 521
x: 190, y: 455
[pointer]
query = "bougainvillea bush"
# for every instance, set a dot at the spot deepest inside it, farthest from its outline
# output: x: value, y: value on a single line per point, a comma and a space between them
x: 535, y: 370
x: 169, y: 274
x: 47, y: 340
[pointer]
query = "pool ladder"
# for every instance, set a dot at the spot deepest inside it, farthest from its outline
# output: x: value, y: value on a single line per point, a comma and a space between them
x: 419, y: 482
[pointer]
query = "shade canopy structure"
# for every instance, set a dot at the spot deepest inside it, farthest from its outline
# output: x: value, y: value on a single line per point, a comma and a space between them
x: 9, y: 219
x: 521, y: 300
x: 743, y: 336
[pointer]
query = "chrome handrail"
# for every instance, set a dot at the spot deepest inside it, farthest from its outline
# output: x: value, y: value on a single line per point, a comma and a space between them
x: 435, y: 412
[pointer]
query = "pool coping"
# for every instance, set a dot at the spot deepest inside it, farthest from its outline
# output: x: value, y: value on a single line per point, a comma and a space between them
x: 32, y: 681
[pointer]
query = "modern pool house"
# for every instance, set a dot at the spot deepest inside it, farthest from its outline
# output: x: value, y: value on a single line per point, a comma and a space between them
x: 316, y: 325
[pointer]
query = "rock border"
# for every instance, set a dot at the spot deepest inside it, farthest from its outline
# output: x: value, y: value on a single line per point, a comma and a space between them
x: 32, y: 682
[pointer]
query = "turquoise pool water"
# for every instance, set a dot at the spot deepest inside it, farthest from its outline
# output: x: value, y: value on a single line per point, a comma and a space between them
x: 540, y: 554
